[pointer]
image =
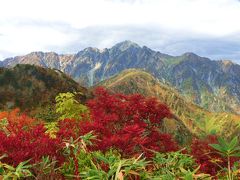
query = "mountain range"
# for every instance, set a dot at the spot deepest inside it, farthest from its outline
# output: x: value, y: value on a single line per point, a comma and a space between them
x: 214, y: 85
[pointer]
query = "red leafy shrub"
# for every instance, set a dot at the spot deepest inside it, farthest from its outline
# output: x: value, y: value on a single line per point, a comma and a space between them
x: 208, y: 158
x: 69, y: 128
x: 128, y: 123
x: 17, y: 121
x: 210, y: 161
x: 23, y: 138
x: 25, y: 145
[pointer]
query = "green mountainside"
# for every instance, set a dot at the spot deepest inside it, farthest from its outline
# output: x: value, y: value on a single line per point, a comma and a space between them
x: 29, y: 87
x: 190, y: 117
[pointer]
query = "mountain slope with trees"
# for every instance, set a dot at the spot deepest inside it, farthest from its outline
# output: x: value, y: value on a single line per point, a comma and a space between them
x: 29, y: 87
x: 189, y: 117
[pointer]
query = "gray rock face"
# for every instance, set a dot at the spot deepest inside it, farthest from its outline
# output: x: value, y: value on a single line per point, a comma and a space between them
x: 212, y: 84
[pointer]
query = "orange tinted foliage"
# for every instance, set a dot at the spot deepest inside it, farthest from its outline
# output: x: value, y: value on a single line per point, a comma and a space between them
x: 17, y: 121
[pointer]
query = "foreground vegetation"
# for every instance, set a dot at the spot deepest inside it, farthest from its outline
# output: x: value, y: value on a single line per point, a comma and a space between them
x: 113, y: 136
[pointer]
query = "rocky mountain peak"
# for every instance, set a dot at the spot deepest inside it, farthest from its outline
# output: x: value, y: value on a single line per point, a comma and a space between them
x: 92, y: 49
x: 126, y: 45
x: 190, y: 55
x: 37, y: 53
x: 227, y: 62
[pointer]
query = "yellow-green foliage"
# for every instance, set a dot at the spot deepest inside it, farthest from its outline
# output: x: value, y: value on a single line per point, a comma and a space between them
x: 52, y: 129
x: 9, y: 172
x: 3, y: 125
x: 68, y: 107
x: 228, y: 149
x: 209, y: 126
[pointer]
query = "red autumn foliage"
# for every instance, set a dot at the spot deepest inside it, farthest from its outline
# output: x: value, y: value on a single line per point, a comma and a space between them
x: 208, y: 158
x: 24, y: 138
x: 210, y: 161
x: 128, y: 122
x: 17, y: 121
x: 24, y: 145
x: 69, y: 128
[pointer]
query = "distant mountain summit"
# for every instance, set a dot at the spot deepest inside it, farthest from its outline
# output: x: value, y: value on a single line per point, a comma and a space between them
x: 215, y: 85
x: 126, y: 45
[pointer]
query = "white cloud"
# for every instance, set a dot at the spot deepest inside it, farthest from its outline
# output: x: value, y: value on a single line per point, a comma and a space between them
x: 48, y: 25
x: 206, y: 16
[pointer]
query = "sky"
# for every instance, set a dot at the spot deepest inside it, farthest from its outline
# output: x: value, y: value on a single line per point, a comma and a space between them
x: 208, y: 28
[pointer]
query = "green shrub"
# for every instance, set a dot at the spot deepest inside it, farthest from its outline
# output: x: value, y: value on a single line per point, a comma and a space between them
x: 68, y: 107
